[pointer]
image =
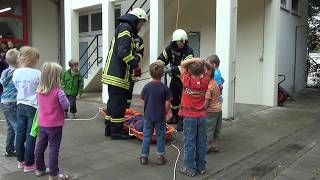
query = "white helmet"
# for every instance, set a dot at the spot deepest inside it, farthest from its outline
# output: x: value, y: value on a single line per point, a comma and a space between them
x: 139, y: 13
x: 179, y: 35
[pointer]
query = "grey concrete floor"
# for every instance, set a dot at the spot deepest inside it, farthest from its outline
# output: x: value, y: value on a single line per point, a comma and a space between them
x: 86, y: 154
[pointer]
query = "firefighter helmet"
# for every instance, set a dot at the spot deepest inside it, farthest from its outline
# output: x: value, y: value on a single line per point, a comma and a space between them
x: 139, y: 13
x: 179, y: 35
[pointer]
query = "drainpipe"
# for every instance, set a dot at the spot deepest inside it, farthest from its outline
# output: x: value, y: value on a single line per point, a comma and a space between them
x: 58, y: 4
x: 295, y: 56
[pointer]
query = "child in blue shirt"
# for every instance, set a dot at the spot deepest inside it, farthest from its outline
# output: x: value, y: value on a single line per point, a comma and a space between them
x: 217, y: 74
x: 9, y: 101
x: 156, y: 97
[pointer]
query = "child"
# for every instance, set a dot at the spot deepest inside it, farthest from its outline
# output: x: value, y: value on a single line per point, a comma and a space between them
x: 72, y: 84
x: 156, y: 97
x: 215, y: 63
x: 195, y: 82
x: 52, y: 104
x: 9, y: 101
x: 214, y: 104
x: 26, y: 81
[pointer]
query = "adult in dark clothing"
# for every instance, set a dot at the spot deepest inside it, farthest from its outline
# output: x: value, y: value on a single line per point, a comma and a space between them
x: 122, y: 60
x: 177, y: 51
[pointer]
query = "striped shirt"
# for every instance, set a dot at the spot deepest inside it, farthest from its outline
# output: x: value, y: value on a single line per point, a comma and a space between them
x: 9, y: 94
x: 214, y: 96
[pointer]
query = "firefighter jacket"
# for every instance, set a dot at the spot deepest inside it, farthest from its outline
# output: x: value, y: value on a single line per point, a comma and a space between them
x: 123, y: 54
x: 174, y: 56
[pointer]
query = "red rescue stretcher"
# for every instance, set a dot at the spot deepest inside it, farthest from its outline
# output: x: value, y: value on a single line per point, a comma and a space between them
x: 133, y: 117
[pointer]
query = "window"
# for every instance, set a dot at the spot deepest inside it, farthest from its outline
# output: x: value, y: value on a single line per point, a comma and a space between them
x: 96, y: 21
x: 91, y: 23
x: 284, y: 4
x: 117, y: 13
x: 295, y: 6
x: 83, y: 23
x: 14, y: 21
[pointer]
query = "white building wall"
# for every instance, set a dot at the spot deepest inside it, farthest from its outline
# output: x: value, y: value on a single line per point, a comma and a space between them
x: 196, y: 17
x: 287, y: 50
x: 45, y: 30
x: 249, y: 70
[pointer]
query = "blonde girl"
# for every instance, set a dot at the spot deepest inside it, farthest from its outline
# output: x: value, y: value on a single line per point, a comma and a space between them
x: 26, y: 80
x: 52, y: 104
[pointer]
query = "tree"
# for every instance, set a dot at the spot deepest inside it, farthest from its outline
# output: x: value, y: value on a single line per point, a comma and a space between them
x: 314, y: 25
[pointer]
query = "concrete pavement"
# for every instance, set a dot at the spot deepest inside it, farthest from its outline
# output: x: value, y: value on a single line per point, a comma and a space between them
x: 87, y: 154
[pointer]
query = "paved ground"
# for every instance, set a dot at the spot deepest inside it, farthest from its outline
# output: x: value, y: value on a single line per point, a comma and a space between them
x: 258, y: 139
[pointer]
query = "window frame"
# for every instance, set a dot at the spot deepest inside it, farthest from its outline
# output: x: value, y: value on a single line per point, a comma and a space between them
x: 90, y: 32
x: 25, y: 24
x: 296, y: 11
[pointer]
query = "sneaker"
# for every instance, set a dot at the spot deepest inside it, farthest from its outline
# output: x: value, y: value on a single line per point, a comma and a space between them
x: 59, y: 177
x: 42, y: 173
x: 202, y: 172
x: 20, y: 165
x: 186, y: 171
x: 73, y: 116
x: 143, y: 160
x: 31, y: 168
x: 10, y: 154
x: 161, y: 160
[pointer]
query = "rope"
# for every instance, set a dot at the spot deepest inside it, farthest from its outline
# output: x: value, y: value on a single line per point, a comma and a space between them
x: 178, y: 156
x: 178, y: 11
x: 89, y: 119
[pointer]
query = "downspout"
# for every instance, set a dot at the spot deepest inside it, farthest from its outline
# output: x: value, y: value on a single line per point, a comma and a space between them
x: 58, y: 4
x: 295, y: 56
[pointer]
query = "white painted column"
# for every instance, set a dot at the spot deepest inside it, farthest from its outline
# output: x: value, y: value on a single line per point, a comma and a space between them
x: 107, y: 35
x: 226, y: 29
x: 156, y: 28
x: 71, y: 22
x: 270, y: 60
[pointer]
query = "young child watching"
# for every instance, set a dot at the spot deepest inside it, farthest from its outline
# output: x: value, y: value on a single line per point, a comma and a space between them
x: 9, y: 101
x: 195, y: 77
x: 72, y: 84
x: 214, y: 107
x: 156, y: 97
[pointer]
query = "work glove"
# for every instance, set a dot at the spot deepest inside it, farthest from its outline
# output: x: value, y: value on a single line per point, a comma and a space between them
x: 137, y: 72
x: 167, y: 70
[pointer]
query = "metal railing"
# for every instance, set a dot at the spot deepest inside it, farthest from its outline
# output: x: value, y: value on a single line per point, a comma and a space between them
x: 94, y: 43
x: 141, y: 6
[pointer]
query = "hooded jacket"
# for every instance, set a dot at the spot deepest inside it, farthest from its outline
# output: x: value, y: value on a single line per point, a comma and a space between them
x: 174, y: 56
x: 123, y: 55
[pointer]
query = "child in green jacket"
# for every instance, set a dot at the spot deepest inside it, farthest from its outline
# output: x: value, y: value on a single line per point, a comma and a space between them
x: 72, y: 84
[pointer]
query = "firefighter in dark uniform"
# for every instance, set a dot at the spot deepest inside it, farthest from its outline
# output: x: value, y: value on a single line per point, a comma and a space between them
x: 121, y: 62
x: 140, y: 52
x: 177, y: 51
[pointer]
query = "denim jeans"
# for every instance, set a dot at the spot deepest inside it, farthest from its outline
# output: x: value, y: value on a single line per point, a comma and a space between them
x: 10, y: 113
x: 195, y: 143
x: 73, y: 104
x: 148, y: 127
x: 51, y: 136
x: 25, y: 115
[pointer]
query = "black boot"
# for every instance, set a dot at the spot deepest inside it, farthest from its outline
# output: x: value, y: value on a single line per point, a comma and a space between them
x: 116, y: 132
x: 107, y: 130
x: 179, y: 123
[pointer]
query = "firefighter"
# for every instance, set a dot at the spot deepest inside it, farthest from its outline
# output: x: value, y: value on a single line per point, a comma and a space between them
x: 122, y: 60
x: 177, y: 51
